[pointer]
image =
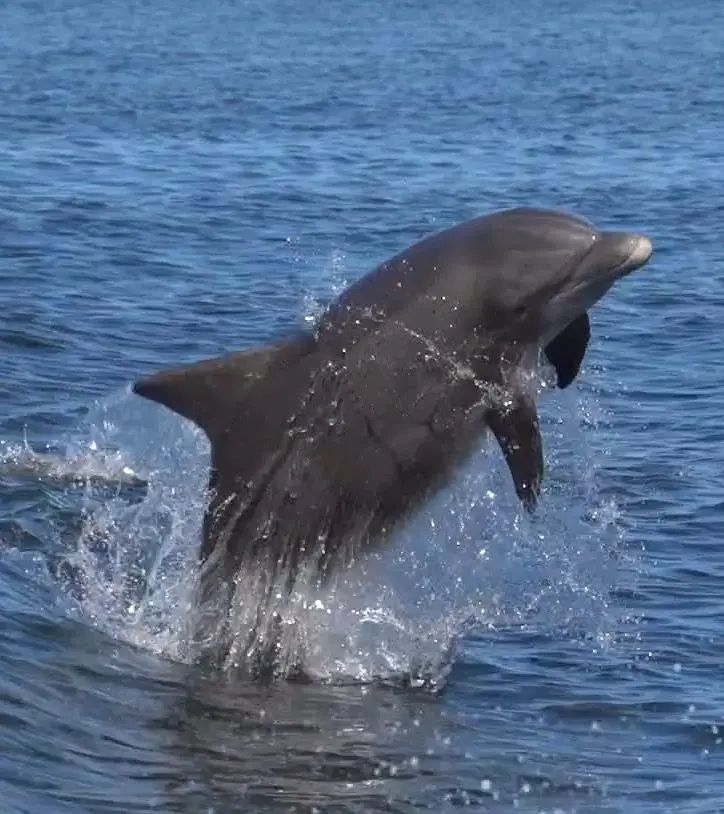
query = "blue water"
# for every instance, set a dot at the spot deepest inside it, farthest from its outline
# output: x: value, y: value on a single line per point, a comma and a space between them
x: 179, y: 179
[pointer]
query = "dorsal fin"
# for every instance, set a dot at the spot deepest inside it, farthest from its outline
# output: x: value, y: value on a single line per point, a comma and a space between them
x: 209, y: 392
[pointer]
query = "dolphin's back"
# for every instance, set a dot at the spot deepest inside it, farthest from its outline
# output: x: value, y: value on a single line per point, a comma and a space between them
x: 481, y: 245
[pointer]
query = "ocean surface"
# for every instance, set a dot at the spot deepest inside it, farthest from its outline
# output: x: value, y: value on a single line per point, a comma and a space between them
x: 179, y: 179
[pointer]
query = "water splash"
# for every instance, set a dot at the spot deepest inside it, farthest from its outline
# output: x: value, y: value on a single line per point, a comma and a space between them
x: 126, y: 556
x: 131, y: 569
x: 469, y: 559
x: 330, y: 284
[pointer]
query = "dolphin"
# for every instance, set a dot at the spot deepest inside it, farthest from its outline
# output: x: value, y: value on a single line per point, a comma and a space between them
x: 323, y: 441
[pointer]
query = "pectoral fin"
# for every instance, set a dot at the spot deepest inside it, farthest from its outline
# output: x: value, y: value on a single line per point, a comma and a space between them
x: 518, y: 434
x: 567, y: 350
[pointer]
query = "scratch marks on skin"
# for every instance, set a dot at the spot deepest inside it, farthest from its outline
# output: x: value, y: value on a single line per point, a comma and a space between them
x: 380, y: 441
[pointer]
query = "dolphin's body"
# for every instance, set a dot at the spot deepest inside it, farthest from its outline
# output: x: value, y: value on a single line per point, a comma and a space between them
x: 322, y: 442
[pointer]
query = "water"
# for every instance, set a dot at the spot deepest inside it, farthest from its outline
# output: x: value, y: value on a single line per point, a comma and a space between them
x: 178, y: 179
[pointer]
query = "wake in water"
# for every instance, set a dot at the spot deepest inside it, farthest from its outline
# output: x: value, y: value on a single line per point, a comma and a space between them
x: 92, y: 464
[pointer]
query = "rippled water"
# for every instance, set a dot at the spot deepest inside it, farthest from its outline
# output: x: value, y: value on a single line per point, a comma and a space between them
x: 180, y: 179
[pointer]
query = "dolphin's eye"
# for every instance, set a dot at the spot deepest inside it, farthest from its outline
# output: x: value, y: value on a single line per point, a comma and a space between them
x: 519, y: 311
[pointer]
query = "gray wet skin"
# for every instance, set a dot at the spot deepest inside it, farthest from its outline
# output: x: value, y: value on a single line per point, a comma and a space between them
x: 324, y: 441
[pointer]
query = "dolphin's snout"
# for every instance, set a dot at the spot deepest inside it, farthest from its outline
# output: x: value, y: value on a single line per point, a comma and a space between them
x: 641, y: 251
x: 622, y: 252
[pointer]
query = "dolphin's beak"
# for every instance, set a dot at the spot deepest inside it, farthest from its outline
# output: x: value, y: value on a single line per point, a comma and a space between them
x: 611, y: 256
x: 621, y: 252
x: 634, y: 250
x: 641, y: 251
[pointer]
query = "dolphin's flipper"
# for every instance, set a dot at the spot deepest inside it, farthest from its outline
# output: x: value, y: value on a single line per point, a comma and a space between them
x: 518, y: 434
x: 567, y: 350
x: 209, y: 393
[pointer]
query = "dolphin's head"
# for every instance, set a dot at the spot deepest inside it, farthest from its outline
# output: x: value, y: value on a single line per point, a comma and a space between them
x: 540, y: 270
x: 494, y: 287
x: 610, y: 256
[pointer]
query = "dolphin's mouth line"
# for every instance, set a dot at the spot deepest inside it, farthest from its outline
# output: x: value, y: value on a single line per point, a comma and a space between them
x: 569, y: 272
x: 637, y: 257
x: 569, y: 277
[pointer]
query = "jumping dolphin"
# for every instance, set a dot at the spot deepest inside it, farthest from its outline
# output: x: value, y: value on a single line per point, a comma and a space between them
x: 321, y: 442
